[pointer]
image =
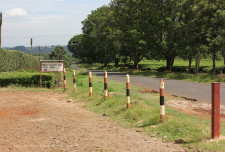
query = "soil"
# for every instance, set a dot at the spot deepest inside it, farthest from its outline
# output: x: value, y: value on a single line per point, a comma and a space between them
x: 32, y: 121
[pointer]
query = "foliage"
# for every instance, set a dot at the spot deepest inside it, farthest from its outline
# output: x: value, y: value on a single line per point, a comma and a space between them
x: 164, y: 29
x: 26, y: 79
x: 11, y: 60
x: 60, y: 54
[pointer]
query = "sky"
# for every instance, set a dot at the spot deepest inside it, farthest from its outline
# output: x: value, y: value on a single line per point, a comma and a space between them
x: 47, y: 22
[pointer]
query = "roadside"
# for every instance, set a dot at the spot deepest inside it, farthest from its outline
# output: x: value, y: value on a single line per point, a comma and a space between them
x: 45, y: 121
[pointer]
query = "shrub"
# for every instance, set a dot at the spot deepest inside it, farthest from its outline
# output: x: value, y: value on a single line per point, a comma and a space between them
x: 11, y: 60
x: 26, y: 79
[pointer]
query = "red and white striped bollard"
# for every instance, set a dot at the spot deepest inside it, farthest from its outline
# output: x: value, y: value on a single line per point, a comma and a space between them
x: 128, y: 91
x: 162, y: 104
x: 90, y: 84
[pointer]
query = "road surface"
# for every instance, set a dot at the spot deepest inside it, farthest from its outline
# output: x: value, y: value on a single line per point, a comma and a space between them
x: 192, y: 90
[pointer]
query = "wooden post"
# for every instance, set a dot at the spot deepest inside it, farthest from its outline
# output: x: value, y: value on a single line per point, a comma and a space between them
x: 74, y: 81
x: 128, y: 91
x: 215, y: 110
x: 90, y: 84
x: 162, y: 106
x: 105, y: 84
x: 40, y: 74
x: 64, y: 73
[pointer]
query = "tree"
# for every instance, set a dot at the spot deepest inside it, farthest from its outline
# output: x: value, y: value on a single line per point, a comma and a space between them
x: 58, y: 53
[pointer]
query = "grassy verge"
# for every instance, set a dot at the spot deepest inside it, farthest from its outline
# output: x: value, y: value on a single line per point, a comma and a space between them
x: 144, y: 114
x: 201, y: 77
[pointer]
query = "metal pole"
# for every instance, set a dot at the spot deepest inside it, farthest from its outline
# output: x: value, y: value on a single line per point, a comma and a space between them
x: 215, y: 110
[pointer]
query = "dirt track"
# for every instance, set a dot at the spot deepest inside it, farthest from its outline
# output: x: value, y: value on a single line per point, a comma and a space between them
x: 32, y: 121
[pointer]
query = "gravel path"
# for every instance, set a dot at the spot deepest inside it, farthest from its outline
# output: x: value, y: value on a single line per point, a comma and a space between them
x: 32, y: 121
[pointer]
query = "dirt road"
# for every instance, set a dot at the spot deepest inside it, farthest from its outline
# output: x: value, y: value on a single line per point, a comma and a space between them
x: 32, y: 121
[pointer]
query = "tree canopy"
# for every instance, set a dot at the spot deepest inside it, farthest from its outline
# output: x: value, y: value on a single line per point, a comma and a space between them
x: 156, y: 29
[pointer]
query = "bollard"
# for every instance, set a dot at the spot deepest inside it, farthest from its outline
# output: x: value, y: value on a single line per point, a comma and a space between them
x: 128, y: 91
x: 162, y: 106
x: 90, y: 84
x: 105, y: 84
x: 64, y: 77
x: 74, y: 81
x: 215, y: 110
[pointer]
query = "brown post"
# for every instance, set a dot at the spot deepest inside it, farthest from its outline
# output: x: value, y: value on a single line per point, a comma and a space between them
x: 215, y: 110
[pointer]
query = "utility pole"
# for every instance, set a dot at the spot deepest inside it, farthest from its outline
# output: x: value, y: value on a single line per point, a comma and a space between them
x: 0, y: 29
x: 39, y: 53
x: 31, y: 42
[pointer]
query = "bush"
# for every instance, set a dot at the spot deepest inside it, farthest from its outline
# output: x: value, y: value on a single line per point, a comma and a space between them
x: 11, y: 60
x: 26, y: 79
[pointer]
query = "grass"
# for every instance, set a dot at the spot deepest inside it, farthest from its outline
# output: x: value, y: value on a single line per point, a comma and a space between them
x: 154, y: 65
x: 144, y: 115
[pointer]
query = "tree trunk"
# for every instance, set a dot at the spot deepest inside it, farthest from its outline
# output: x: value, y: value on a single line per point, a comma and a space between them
x: 189, y: 66
x: 197, y: 62
x: 117, y: 60
x: 169, y: 63
x: 136, y: 64
x: 214, y: 62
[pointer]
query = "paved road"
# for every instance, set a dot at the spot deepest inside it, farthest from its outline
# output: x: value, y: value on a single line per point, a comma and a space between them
x: 193, y: 90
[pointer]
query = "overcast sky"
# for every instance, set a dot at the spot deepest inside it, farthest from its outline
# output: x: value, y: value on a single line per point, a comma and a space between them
x: 48, y: 22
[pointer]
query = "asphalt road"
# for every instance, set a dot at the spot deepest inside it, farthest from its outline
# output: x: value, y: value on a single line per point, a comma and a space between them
x: 192, y: 90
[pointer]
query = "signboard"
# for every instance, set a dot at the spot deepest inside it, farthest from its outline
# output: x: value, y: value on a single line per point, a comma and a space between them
x: 52, y: 67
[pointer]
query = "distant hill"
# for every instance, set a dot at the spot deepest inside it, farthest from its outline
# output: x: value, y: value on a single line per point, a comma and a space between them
x: 43, y: 49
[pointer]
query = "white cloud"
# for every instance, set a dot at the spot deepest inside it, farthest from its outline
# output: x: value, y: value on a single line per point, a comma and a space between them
x: 60, y: 0
x: 16, y: 12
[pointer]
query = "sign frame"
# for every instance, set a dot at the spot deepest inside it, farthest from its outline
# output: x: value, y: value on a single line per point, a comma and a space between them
x: 49, y: 61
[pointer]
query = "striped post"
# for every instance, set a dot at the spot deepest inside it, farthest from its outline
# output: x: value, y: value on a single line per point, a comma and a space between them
x: 128, y: 91
x: 90, y: 84
x: 64, y: 78
x: 162, y: 106
x: 74, y: 80
x: 215, y: 110
x: 105, y: 84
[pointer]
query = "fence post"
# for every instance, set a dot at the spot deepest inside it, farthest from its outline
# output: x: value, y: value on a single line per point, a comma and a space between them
x: 215, y: 110
x: 128, y: 91
x: 90, y: 84
x: 74, y: 80
x: 105, y: 84
x: 162, y: 106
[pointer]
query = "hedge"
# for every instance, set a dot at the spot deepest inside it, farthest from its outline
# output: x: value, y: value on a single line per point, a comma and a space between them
x: 26, y: 79
x: 11, y: 60
x: 202, y: 69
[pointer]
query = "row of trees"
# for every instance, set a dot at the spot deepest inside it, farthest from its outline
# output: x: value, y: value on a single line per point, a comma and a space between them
x: 153, y: 29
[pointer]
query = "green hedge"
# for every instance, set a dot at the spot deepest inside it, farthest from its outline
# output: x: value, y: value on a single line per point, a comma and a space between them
x: 26, y: 79
x: 11, y: 60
